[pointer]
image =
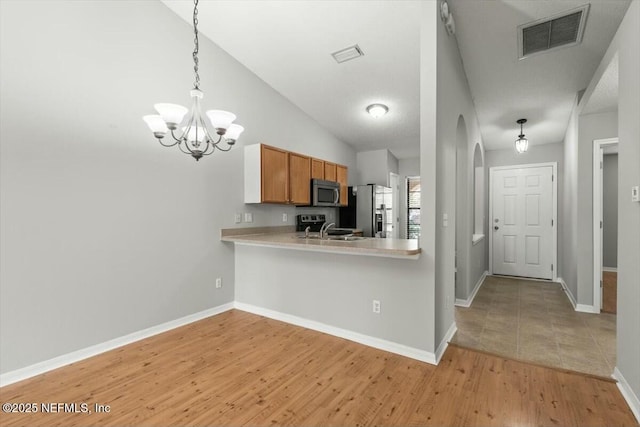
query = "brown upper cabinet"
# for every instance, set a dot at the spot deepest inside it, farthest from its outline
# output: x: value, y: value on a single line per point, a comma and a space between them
x: 273, y: 175
x: 299, y: 179
x: 330, y: 171
x: 342, y: 176
x: 317, y: 169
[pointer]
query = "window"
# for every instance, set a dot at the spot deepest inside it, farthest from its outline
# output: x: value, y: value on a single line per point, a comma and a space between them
x: 413, y: 207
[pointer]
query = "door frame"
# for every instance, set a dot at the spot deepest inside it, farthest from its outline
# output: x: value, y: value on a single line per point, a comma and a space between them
x: 598, y: 146
x: 554, y: 203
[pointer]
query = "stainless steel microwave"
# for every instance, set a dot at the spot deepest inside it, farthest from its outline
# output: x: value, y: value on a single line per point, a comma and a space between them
x: 325, y: 193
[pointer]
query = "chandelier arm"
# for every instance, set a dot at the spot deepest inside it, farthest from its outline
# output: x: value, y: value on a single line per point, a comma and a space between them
x: 168, y: 145
x: 229, y: 147
x: 207, y: 134
x: 209, y: 146
x: 178, y: 140
x: 186, y: 145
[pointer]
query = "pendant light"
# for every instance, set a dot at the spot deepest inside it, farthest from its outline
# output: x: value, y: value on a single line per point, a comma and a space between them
x: 522, y: 143
x: 192, y: 134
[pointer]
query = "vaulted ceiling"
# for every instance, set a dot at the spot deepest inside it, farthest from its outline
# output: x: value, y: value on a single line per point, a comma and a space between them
x: 288, y: 44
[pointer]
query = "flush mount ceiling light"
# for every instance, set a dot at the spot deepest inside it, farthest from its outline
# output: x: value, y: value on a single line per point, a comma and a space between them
x: 377, y: 110
x: 193, y: 135
x: 522, y: 143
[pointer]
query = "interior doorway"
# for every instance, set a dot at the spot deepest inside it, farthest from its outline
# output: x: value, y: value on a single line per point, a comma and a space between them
x: 605, y: 225
x: 523, y: 215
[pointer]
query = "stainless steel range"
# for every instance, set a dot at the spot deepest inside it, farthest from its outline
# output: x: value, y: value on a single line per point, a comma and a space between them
x: 313, y: 221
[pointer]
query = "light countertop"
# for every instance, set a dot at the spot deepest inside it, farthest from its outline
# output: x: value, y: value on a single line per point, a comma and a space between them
x: 284, y: 237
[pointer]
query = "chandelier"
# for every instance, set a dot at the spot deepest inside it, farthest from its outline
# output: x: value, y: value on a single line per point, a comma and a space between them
x: 192, y: 134
x: 522, y: 143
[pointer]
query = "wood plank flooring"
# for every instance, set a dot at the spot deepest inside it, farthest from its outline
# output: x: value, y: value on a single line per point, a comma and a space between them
x: 240, y: 369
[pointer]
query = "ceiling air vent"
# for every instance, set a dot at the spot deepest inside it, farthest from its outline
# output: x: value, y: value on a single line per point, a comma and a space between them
x: 557, y: 31
x: 347, y: 54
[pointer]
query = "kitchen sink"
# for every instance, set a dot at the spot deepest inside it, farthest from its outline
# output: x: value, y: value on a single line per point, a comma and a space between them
x: 345, y: 238
x: 308, y: 237
x: 336, y: 232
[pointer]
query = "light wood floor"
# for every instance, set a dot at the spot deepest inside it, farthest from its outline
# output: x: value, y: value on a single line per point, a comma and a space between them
x: 240, y: 369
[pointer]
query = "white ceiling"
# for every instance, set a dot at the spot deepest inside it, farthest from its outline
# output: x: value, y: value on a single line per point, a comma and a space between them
x: 288, y: 45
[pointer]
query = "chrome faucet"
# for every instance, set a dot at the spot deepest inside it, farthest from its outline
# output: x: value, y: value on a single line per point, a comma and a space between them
x: 306, y: 231
x: 325, y: 227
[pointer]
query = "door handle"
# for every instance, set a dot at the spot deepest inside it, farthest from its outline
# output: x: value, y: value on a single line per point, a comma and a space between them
x: 496, y: 227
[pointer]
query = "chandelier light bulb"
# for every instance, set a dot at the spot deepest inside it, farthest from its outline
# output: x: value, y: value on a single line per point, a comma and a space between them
x: 377, y: 110
x: 221, y: 120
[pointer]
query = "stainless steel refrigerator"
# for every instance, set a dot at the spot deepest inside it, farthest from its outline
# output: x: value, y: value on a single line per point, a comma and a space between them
x: 370, y: 209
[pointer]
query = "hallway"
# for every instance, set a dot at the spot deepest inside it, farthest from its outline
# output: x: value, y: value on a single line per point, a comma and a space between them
x: 534, y: 321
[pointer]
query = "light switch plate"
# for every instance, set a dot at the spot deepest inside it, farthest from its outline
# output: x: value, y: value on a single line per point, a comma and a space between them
x: 285, y: 217
x: 238, y: 218
x: 248, y: 217
x: 635, y: 194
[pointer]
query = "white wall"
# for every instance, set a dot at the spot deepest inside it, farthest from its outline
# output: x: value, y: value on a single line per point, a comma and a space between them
x: 568, y: 221
x: 590, y: 128
x: 104, y: 232
x: 628, y: 353
x: 373, y: 167
x: 453, y: 99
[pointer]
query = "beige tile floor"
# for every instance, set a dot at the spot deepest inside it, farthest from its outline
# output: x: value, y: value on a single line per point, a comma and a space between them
x: 534, y: 321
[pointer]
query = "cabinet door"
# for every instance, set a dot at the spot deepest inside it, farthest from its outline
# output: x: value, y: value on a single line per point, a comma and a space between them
x: 317, y: 169
x: 299, y: 179
x: 274, y: 169
x: 330, y: 171
x: 342, y: 176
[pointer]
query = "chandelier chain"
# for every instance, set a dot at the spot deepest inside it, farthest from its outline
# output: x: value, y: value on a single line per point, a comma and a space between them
x: 196, y: 83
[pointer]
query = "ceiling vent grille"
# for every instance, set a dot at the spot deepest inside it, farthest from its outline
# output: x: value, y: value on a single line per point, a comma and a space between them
x: 546, y: 34
x: 347, y: 54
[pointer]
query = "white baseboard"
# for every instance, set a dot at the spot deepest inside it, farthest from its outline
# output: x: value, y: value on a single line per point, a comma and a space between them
x: 584, y: 308
x: 367, y: 340
x: 76, y: 356
x: 467, y: 302
x: 442, y: 347
x: 627, y: 393
x: 572, y: 299
x: 610, y: 269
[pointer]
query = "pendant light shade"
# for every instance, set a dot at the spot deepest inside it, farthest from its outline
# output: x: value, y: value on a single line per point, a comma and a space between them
x: 522, y: 143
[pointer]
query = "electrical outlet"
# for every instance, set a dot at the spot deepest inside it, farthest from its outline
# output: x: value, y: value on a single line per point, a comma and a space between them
x: 218, y: 282
x: 238, y: 218
x: 376, y: 306
x: 285, y: 217
x: 248, y: 217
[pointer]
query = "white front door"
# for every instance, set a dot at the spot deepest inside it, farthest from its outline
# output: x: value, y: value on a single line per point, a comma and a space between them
x: 521, y: 226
